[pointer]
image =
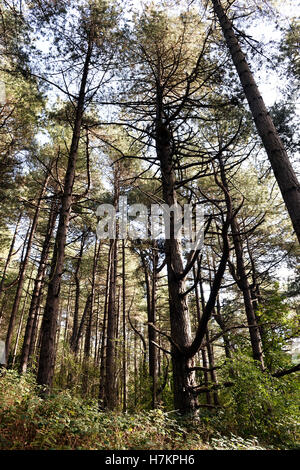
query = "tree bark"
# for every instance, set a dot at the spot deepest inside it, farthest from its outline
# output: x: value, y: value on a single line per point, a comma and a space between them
x: 151, y: 286
x: 110, y: 366
x: 104, y: 331
x: 183, y: 380
x: 38, y: 284
x: 82, y: 324
x: 23, y: 269
x: 77, y: 294
x: 242, y: 281
x: 21, y: 320
x: 10, y: 252
x: 88, y: 333
x: 278, y: 157
x: 49, y: 323
x: 243, y: 284
x: 124, y: 328
x: 110, y: 391
x: 152, y: 333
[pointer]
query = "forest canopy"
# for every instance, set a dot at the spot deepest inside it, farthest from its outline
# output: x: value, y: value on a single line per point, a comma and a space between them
x: 121, y: 128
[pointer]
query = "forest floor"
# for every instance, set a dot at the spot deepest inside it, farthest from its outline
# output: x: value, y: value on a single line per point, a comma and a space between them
x: 66, y: 422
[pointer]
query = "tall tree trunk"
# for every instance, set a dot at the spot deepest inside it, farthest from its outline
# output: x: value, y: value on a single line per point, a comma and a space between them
x: 10, y: 252
x: 21, y: 320
x: 211, y: 361
x: 82, y: 324
x: 243, y: 284
x: 97, y: 333
x: 279, y: 160
x: 256, y: 296
x: 151, y: 316
x: 183, y: 379
x: 38, y: 284
x: 110, y: 391
x: 49, y: 323
x: 242, y: 281
x: 152, y: 332
x: 23, y: 268
x: 110, y: 370
x: 221, y: 322
x: 77, y: 293
x: 88, y: 333
x: 124, y: 328
x: 104, y: 331
x: 204, y: 349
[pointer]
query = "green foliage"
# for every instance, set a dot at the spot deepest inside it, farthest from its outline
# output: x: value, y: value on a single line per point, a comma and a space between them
x: 275, y: 312
x: 66, y: 422
x: 257, y: 410
x: 259, y: 405
x: 235, y: 443
x: 290, y: 48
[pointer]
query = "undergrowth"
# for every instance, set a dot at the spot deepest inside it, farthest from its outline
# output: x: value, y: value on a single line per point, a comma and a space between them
x: 63, y: 421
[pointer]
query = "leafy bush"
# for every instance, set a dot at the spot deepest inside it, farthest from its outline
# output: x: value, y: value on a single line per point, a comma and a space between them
x: 264, y: 408
x: 259, y: 405
x: 235, y: 443
x: 63, y: 421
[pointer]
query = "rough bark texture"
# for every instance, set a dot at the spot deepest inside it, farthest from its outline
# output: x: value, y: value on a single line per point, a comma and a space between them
x: 279, y: 160
x: 49, y: 324
x: 184, y: 381
x: 242, y: 281
x: 151, y: 286
x: 243, y: 284
x: 10, y: 252
x: 110, y: 390
x: 104, y: 329
x: 124, y: 329
x: 152, y: 333
x: 88, y: 335
x: 110, y: 370
x: 23, y: 269
x: 38, y: 283
x: 77, y: 294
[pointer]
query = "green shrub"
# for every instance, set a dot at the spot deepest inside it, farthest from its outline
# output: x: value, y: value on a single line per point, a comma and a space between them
x: 259, y: 405
x: 258, y: 409
x: 63, y: 421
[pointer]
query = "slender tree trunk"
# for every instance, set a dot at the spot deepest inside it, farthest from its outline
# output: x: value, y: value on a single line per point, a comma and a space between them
x: 38, y: 284
x: 49, y: 324
x: 279, y: 160
x: 82, y: 323
x: 21, y: 320
x: 151, y: 314
x: 211, y: 361
x: 221, y: 322
x: 203, y: 350
x: 104, y: 331
x: 23, y: 269
x: 67, y: 322
x: 183, y: 379
x: 256, y: 296
x: 88, y: 333
x: 10, y: 252
x: 110, y: 390
x: 243, y: 284
x: 110, y: 365
x: 97, y: 333
x: 242, y: 281
x: 33, y: 347
x: 124, y: 328
x: 77, y: 293
x: 152, y: 332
